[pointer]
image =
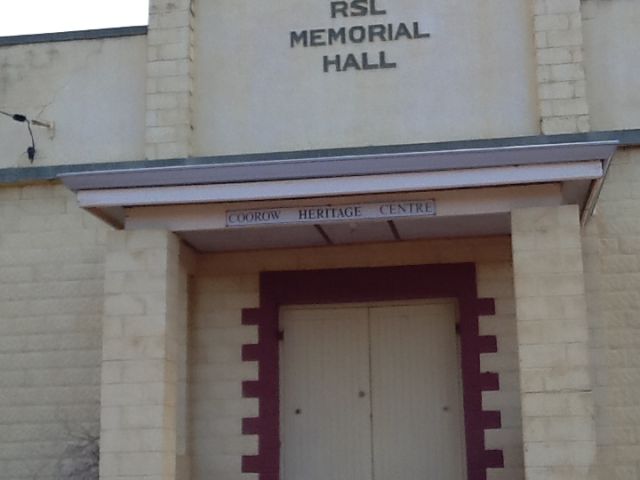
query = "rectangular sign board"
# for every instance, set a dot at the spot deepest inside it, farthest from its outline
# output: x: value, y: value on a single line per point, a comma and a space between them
x: 315, y: 214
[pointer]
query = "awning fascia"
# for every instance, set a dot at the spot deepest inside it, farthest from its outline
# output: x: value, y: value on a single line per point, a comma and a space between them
x: 338, y: 186
x: 339, y: 166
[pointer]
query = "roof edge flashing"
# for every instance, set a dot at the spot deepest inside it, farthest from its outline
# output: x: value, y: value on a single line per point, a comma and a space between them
x: 74, y: 35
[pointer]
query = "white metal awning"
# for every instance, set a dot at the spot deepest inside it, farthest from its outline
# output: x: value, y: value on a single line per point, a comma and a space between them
x: 194, y: 200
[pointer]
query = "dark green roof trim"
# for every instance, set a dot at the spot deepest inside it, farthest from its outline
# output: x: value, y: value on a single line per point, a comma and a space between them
x: 75, y: 35
x: 625, y: 138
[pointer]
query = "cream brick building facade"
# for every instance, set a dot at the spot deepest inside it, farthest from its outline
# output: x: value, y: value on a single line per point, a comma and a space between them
x: 133, y: 310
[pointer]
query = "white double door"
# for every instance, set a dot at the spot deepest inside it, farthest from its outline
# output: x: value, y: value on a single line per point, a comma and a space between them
x: 371, y: 393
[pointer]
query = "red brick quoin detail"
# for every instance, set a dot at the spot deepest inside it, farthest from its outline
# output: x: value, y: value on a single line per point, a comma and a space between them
x: 364, y: 285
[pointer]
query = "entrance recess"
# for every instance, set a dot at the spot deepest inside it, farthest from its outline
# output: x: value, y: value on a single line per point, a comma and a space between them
x: 364, y: 285
x: 371, y: 392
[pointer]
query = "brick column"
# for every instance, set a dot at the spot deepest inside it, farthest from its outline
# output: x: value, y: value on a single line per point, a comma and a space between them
x: 553, y: 336
x: 561, y: 79
x: 169, y: 79
x: 144, y: 330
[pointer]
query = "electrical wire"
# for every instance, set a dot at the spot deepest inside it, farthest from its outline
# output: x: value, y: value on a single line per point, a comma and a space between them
x: 31, y: 151
x: 18, y: 117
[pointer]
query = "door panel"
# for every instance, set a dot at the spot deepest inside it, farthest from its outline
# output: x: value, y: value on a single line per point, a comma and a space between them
x: 371, y: 393
x: 416, y: 393
x: 325, y: 420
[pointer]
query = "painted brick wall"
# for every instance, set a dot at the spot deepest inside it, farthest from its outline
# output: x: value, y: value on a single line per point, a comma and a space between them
x: 144, y: 331
x: 169, y: 79
x: 217, y: 372
x: 553, y: 336
x: 611, y: 246
x: 51, y: 296
x: 559, y: 54
x: 225, y: 284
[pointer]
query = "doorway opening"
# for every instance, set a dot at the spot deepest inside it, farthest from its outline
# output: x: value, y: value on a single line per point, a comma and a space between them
x: 364, y: 285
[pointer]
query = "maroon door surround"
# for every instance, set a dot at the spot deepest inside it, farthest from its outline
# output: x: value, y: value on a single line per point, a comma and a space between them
x: 457, y: 281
